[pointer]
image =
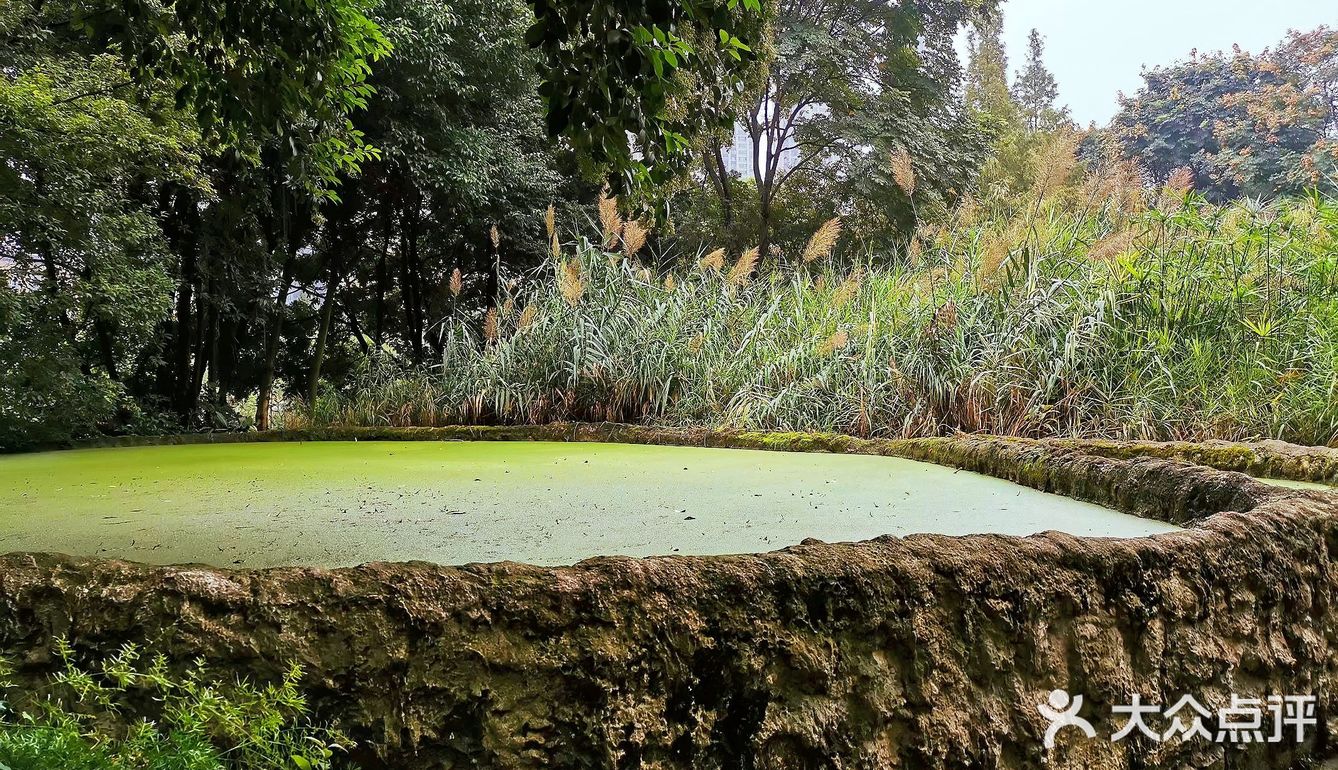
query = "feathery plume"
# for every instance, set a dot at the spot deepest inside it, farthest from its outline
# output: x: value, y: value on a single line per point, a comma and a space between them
x: 1055, y: 163
x: 570, y: 281
x: 550, y: 221
x: 1112, y: 246
x: 527, y: 316
x: 714, y: 262
x: 834, y: 343
x: 848, y: 288
x: 903, y: 171
x: 634, y: 237
x: 490, y: 325
x: 822, y: 242
x: 496, y: 237
x: 609, y: 220
x: 743, y: 269
x: 1180, y: 184
x: 457, y: 282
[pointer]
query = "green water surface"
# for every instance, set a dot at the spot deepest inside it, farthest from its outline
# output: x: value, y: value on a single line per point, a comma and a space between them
x: 346, y: 503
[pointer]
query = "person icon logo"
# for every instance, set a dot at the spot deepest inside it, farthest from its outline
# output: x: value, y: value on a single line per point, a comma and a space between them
x: 1062, y: 711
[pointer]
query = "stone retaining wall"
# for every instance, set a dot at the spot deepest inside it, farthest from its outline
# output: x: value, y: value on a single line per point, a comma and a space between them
x: 922, y: 652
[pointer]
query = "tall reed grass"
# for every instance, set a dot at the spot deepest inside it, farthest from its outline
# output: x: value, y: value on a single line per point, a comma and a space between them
x: 1082, y: 314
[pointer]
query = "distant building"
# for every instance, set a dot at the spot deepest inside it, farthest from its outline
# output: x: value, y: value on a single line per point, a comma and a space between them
x: 739, y: 154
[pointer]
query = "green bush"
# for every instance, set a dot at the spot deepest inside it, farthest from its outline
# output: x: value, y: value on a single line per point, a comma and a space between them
x: 83, y: 721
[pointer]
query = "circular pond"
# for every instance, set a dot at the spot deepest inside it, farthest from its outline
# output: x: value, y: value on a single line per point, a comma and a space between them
x: 345, y: 503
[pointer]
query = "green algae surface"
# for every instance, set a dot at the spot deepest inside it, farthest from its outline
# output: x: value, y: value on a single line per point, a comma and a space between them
x: 1307, y: 485
x: 344, y: 503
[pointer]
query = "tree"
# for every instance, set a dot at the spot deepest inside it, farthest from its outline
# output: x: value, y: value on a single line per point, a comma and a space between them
x: 291, y: 70
x: 197, y: 208
x: 83, y: 261
x: 1036, y: 90
x: 1241, y: 124
x: 854, y: 84
x: 608, y: 70
x: 987, y: 70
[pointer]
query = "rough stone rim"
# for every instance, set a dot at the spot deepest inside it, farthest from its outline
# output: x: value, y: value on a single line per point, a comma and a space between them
x: 1199, y: 487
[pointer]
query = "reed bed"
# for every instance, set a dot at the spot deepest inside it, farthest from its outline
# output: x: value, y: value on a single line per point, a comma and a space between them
x: 1081, y: 317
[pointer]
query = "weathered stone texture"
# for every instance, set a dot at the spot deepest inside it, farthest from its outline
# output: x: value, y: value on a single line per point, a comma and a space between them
x: 923, y: 652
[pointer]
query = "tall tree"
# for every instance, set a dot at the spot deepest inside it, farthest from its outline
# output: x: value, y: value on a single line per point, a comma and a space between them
x: 987, y: 69
x: 854, y: 84
x: 1035, y: 89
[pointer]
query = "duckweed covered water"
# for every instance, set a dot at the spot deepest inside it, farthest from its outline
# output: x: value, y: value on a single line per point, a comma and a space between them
x: 346, y: 503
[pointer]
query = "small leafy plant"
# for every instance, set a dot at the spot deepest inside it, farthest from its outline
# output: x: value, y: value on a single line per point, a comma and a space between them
x: 194, y: 721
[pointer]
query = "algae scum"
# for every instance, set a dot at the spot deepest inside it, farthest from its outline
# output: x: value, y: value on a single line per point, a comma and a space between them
x: 346, y: 503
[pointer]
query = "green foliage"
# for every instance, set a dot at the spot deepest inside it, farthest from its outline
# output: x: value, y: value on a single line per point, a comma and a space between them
x: 93, y: 719
x: 1024, y: 119
x: 1243, y: 125
x: 987, y: 73
x: 84, y: 263
x: 609, y: 69
x: 1035, y: 90
x: 1082, y: 315
x: 849, y: 88
x: 284, y: 71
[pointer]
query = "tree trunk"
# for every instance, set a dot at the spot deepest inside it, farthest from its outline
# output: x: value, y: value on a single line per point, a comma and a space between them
x: 714, y: 160
x: 182, y: 338
x: 323, y: 334
x: 272, y: 338
x: 388, y: 214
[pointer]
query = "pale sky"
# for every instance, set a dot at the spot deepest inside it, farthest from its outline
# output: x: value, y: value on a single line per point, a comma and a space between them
x: 1098, y: 47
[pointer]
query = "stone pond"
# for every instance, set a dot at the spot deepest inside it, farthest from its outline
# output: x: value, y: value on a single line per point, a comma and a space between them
x: 923, y: 651
x: 340, y: 504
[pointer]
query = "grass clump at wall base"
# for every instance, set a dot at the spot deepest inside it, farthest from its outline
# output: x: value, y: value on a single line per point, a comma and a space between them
x: 1085, y: 317
x: 126, y: 715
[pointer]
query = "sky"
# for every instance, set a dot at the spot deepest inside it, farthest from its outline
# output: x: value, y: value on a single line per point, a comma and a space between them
x: 1096, y: 48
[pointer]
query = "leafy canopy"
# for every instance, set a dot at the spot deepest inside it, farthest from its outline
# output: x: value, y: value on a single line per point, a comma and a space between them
x: 609, y: 71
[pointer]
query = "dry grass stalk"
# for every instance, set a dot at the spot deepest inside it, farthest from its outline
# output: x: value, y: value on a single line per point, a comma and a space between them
x: 634, y: 237
x: 571, y: 283
x: 903, y: 171
x: 823, y: 241
x: 669, y: 283
x: 527, y: 316
x: 457, y: 282
x: 714, y: 262
x: 496, y: 237
x: 610, y: 220
x: 742, y: 271
x: 508, y: 307
x: 490, y: 325
x: 1113, y: 246
x: 550, y: 221
x: 554, y: 246
x: 848, y: 288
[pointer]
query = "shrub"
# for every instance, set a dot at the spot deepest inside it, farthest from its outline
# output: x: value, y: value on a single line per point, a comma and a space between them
x: 126, y: 714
